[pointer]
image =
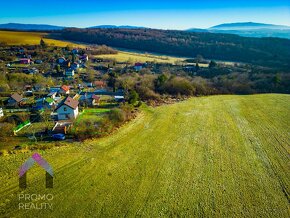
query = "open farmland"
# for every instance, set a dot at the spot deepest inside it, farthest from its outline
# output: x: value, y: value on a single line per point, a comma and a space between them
x: 124, y: 56
x: 218, y: 156
x: 29, y: 38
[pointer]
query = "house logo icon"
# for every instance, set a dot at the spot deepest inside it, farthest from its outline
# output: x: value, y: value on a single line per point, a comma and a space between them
x: 28, y: 164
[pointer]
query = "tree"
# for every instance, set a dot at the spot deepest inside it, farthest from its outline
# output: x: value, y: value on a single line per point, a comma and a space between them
x: 277, y: 79
x: 112, y: 80
x: 212, y: 64
x: 42, y: 43
x: 57, y: 68
x: 160, y: 81
x: 196, y: 67
x: 73, y: 57
x: 133, y: 97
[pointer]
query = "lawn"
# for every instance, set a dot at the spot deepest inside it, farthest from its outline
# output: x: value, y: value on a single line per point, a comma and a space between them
x: 217, y: 156
x: 133, y: 57
x: 30, y: 38
x: 91, y: 114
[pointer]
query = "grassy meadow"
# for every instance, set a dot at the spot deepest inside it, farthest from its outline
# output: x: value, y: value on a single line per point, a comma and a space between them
x: 217, y: 156
x: 133, y: 57
x: 29, y: 38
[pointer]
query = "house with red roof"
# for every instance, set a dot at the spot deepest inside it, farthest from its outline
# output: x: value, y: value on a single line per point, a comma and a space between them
x: 24, y: 61
x: 138, y: 66
x: 68, y: 109
x: 64, y: 89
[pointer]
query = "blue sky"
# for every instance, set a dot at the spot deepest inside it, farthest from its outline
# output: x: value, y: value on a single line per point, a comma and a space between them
x: 169, y: 14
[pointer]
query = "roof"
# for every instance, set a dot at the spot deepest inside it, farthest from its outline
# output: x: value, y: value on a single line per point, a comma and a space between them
x: 96, y: 97
x: 138, y: 64
x: 65, y: 88
x: 99, y: 83
x: 70, y: 102
x: 49, y: 100
x: 51, y: 94
x: 16, y: 97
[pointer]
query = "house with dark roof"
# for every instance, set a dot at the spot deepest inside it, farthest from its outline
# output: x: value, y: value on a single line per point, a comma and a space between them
x: 69, y: 72
x: 61, y: 60
x: 14, y: 100
x: 89, y: 100
x: 68, y: 109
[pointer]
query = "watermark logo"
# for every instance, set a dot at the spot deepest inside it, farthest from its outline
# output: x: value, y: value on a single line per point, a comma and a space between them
x: 35, y: 158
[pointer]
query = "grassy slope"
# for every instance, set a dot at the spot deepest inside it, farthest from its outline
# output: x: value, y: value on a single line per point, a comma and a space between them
x: 123, y: 56
x: 224, y: 156
x: 29, y: 38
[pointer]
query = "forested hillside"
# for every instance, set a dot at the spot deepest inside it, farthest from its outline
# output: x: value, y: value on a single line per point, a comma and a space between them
x: 260, y: 51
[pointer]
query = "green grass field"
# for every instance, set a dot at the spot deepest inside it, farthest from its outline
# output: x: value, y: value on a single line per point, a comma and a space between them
x: 91, y: 114
x: 30, y: 38
x: 218, y: 156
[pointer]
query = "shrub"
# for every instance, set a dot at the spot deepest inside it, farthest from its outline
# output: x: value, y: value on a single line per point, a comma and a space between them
x: 178, y: 86
x: 117, y: 116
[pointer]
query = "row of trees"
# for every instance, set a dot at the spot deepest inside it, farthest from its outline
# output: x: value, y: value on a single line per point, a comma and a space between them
x: 153, y: 87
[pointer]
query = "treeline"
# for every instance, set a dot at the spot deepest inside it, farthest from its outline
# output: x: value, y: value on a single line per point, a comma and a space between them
x: 274, y: 52
x: 156, y: 88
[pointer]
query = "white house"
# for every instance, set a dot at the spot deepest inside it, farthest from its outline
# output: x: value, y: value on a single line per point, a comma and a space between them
x: 68, y: 109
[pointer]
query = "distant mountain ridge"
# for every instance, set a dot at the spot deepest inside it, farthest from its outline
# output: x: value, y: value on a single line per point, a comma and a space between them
x: 249, y: 29
x: 116, y: 27
x: 248, y: 25
x: 20, y: 26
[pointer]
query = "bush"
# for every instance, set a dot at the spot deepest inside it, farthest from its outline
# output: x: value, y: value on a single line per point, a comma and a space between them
x: 133, y: 97
x: 178, y: 86
x: 146, y: 93
x: 6, y: 129
x: 117, y: 116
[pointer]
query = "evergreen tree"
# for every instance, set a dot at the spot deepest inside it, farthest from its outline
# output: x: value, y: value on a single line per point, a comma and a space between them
x: 42, y: 43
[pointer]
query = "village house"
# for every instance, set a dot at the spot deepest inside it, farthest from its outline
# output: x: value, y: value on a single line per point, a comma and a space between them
x: 119, y: 98
x: 61, y: 60
x: 68, y: 109
x: 75, y: 51
x: 89, y: 100
x: 52, y: 95
x: 15, y: 100
x: 99, y: 84
x: 75, y: 66
x: 64, y: 89
x: 69, y: 72
x: 49, y: 103
x: 38, y: 61
x: 24, y: 61
x: 84, y: 57
x: 54, y: 89
x: 138, y: 66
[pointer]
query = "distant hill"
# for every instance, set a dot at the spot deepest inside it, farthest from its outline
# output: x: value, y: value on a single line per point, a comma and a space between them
x: 116, y: 27
x: 249, y: 29
x: 19, y: 26
x: 248, y: 26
